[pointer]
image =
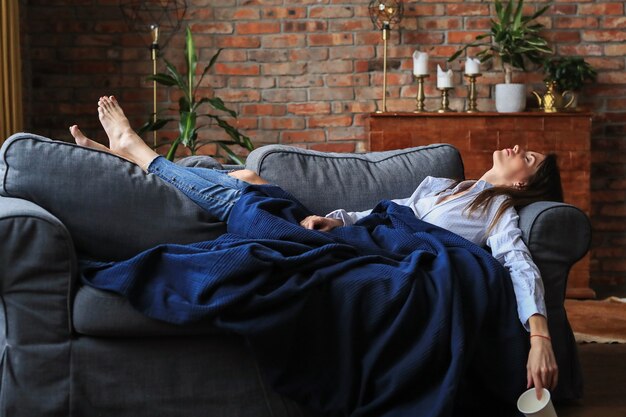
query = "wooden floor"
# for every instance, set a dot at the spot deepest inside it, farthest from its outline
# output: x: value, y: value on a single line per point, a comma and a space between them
x: 604, y: 371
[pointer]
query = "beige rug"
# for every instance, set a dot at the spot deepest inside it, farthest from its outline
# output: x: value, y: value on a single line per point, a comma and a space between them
x: 600, y: 321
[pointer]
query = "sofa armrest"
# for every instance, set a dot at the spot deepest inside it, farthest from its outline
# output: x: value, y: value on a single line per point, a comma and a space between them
x: 36, y: 282
x: 557, y: 236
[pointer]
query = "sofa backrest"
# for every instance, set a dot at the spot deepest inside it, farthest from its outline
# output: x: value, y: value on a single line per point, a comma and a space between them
x: 325, y: 181
x: 111, y: 208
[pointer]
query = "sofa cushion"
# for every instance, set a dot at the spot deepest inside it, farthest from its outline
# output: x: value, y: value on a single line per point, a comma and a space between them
x: 327, y: 181
x: 103, y: 313
x: 111, y: 208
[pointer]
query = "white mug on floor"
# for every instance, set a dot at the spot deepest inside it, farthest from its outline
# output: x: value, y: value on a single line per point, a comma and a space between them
x: 532, y: 407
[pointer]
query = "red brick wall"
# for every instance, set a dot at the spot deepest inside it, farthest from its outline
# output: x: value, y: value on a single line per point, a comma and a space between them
x: 307, y: 73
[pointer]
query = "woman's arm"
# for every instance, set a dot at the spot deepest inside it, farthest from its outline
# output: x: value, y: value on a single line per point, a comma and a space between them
x: 507, y: 246
x: 541, y: 368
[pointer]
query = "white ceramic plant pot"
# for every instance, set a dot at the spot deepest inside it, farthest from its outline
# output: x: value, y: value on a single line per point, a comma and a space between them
x: 510, y: 98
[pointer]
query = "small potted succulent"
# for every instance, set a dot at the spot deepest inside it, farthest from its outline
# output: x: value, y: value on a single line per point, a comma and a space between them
x: 569, y: 74
x: 514, y: 39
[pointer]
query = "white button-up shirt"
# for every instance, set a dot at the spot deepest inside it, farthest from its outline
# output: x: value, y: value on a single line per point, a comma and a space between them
x: 504, y: 239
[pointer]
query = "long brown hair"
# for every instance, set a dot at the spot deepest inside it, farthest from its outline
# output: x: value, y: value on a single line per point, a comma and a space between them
x: 544, y: 184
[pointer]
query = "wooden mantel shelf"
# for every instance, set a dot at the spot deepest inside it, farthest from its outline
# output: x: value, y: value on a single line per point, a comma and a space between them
x: 568, y: 113
x: 478, y: 135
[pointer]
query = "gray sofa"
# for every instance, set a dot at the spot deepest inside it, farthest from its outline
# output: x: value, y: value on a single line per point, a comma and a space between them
x: 70, y: 350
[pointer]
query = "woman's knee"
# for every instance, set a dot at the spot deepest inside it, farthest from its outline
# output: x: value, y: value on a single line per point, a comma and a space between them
x: 248, y: 176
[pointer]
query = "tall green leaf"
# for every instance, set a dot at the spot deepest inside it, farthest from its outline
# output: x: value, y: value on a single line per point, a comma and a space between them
x: 191, y: 60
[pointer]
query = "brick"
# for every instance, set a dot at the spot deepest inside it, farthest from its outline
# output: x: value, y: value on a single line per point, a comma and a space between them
x: 290, y: 40
x: 439, y: 23
x: 303, y: 137
x: 326, y: 121
x: 309, y: 108
x: 239, y: 42
x: 576, y: 22
x: 612, y: 77
x: 306, y: 26
x: 428, y: 38
x: 614, y: 22
x: 581, y: 50
x: 331, y: 94
x: 305, y: 80
x: 346, y: 80
x: 308, y: 54
x: 475, y: 23
x: 557, y: 36
x: 421, y: 10
x: 347, y: 147
x: 274, y: 123
x: 236, y: 69
x: 248, y: 28
x: 281, y: 95
x: 330, y: 39
x: 214, y: 27
x: 330, y: 12
x: 354, y: 52
x: 466, y: 9
x: 350, y: 25
x: 604, y: 36
x: 615, y: 49
x: 328, y: 67
x: 601, y: 9
x: 263, y: 109
x: 286, y: 68
x: 234, y: 14
x: 283, y: 13
x: 251, y: 82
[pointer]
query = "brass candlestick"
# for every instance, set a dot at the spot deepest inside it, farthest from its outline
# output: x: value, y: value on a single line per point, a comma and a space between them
x: 444, y: 108
x: 471, y: 93
x: 386, y: 27
x: 419, y: 99
x: 154, y: 49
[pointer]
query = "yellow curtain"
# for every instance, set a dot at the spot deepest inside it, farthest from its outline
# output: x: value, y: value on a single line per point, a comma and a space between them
x: 10, y: 70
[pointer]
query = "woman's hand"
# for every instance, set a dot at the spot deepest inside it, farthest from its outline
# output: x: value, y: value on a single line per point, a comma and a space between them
x: 320, y: 223
x: 541, y: 369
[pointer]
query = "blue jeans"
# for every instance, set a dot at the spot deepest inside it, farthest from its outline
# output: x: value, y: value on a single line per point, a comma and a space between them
x: 213, y: 190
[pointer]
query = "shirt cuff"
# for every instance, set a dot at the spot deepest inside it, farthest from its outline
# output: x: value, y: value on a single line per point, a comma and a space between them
x: 528, y: 308
x: 342, y: 215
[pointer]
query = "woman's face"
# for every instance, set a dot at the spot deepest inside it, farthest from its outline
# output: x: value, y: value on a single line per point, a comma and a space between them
x: 515, y: 165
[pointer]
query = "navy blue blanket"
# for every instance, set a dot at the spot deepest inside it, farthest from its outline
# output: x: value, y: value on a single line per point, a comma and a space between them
x: 390, y: 317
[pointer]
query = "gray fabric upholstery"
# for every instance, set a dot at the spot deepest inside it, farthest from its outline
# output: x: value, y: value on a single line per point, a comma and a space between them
x: 37, y: 273
x: 327, y: 181
x: 101, y: 313
x: 75, y: 351
x: 102, y: 199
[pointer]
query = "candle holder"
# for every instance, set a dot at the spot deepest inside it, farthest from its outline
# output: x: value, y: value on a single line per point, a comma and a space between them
x: 419, y: 99
x: 471, y: 93
x: 444, y: 108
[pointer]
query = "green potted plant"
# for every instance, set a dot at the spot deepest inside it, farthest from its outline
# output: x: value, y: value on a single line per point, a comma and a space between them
x: 569, y: 74
x: 191, y: 107
x: 514, y: 39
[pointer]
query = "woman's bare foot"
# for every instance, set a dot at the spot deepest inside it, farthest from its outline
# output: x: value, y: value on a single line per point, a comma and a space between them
x: 82, y: 140
x: 123, y: 141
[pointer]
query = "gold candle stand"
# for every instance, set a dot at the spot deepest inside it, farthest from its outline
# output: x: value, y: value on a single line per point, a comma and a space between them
x: 154, y: 50
x: 471, y: 93
x: 386, y: 28
x: 419, y: 99
x: 445, y: 104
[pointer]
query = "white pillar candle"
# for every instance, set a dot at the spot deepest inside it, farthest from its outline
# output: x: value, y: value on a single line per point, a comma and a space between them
x: 472, y: 66
x: 420, y: 63
x: 444, y: 78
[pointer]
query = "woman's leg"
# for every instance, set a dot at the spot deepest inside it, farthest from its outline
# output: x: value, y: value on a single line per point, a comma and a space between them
x: 123, y: 141
x: 214, y: 191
